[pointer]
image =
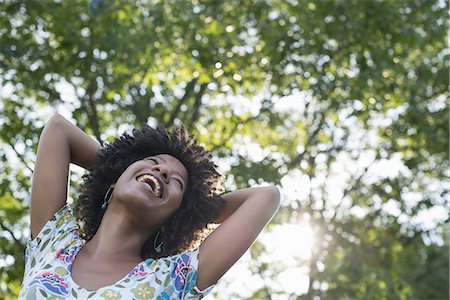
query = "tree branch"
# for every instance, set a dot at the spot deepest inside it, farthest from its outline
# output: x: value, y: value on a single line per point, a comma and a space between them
x: 91, y: 111
x: 233, y: 131
x: 5, y: 228
x: 20, y: 157
x: 141, y: 104
x: 348, y: 189
x: 197, y: 105
x: 189, y: 88
x: 241, y: 122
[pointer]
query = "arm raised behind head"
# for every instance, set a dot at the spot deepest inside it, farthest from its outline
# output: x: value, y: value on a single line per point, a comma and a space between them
x: 60, y: 144
x: 245, y: 214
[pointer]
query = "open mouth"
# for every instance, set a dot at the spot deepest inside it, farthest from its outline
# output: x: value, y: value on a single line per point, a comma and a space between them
x: 155, y: 184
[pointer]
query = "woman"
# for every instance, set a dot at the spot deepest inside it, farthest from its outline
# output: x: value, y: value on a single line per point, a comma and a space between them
x: 143, y: 207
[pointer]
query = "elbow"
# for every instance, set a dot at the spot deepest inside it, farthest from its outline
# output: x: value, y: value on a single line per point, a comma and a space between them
x: 272, y: 200
x: 55, y: 121
x: 277, y: 196
x: 274, y: 196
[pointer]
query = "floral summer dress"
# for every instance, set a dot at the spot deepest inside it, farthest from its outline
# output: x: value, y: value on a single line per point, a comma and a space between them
x: 50, y: 255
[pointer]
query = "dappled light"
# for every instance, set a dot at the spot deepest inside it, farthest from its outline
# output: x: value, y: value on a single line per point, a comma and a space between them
x: 343, y: 105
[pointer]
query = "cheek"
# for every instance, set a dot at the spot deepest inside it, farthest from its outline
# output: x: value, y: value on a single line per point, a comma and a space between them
x: 178, y: 197
x: 125, y: 176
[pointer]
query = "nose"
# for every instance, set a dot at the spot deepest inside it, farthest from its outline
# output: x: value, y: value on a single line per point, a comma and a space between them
x: 162, y: 170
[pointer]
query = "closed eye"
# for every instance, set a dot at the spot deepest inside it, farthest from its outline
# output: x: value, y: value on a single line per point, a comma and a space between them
x: 151, y: 159
x: 179, y: 182
x: 156, y: 162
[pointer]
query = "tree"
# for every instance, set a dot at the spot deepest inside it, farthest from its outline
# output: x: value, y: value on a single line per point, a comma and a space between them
x: 364, y: 83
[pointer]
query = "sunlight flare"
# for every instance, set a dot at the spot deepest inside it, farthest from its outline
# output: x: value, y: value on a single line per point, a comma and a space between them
x: 290, y: 242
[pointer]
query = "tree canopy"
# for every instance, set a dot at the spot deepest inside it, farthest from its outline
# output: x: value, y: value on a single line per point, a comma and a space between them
x: 342, y: 104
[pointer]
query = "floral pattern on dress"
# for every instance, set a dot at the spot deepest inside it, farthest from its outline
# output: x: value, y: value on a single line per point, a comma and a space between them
x: 163, y: 296
x: 181, y: 269
x: 67, y: 255
x: 52, y: 282
x: 49, y: 259
x: 27, y: 255
x: 143, y: 291
x: 191, y: 281
x: 64, y: 219
x: 138, y: 271
x: 110, y: 295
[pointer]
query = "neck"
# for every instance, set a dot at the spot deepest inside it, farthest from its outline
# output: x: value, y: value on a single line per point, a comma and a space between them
x: 118, y: 237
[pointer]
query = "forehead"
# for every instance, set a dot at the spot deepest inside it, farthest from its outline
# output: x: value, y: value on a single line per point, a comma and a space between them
x: 174, y: 163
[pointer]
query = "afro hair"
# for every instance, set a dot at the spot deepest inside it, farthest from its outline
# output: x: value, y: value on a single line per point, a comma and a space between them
x: 201, y: 201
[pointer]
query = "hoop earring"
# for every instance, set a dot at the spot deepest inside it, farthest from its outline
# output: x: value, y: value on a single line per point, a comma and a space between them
x: 158, y: 248
x: 107, y: 198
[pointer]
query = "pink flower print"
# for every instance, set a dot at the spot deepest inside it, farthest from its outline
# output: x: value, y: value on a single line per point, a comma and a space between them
x: 138, y: 271
x: 181, y: 270
x: 67, y: 255
x: 52, y: 282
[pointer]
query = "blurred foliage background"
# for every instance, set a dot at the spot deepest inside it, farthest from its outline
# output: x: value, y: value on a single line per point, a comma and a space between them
x: 342, y: 104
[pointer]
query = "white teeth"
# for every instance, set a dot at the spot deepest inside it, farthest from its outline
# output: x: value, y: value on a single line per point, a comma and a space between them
x: 146, y: 178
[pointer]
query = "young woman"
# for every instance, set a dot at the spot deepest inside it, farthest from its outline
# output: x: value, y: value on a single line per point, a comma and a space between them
x: 140, y: 220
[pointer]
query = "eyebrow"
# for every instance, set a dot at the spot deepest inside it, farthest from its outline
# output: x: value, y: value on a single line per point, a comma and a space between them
x: 176, y: 172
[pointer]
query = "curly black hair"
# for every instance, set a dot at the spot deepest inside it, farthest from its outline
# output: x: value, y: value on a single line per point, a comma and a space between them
x: 201, y: 201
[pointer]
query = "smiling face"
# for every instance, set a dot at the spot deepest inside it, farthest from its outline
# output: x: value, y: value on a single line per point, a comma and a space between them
x: 152, y: 188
